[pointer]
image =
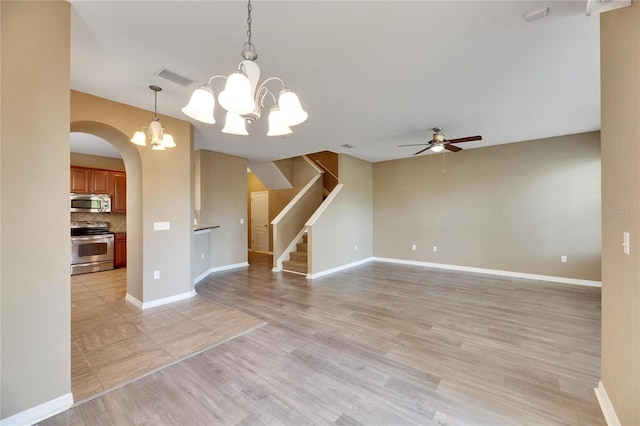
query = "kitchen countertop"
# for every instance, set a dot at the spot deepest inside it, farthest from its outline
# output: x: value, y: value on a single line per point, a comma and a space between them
x: 201, y: 227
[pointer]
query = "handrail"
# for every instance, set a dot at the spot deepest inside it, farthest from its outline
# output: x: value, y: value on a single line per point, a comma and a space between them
x: 294, y: 201
x: 327, y: 170
x: 314, y: 217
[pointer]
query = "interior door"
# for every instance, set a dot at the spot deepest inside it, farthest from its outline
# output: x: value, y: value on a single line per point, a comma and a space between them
x: 260, y: 221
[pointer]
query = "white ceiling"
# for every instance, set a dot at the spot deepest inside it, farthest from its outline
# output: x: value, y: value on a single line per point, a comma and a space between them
x: 374, y: 74
x: 85, y: 143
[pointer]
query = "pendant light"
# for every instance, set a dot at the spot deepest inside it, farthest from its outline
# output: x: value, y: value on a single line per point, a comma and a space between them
x: 155, y: 134
x: 243, y: 98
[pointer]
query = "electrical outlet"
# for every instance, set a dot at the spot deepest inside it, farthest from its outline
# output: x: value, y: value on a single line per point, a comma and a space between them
x: 156, y: 275
x: 355, y: 248
x: 201, y: 255
x: 563, y: 259
x: 242, y: 221
x: 435, y: 249
x: 413, y: 246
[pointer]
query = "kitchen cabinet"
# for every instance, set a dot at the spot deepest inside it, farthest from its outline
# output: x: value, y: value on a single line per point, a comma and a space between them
x: 120, y: 251
x: 90, y: 181
x: 80, y: 180
x: 118, y: 192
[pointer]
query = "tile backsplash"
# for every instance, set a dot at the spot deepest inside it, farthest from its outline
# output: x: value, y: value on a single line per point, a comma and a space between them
x: 117, y: 222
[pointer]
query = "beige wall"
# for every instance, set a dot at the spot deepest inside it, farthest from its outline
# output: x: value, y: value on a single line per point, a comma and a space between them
x: 223, y: 201
x: 516, y: 207
x: 35, y: 305
x: 346, y: 222
x: 158, y: 190
x: 96, y: 162
x: 620, y: 75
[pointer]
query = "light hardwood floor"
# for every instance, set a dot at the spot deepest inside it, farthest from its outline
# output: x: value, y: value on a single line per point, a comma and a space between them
x: 379, y: 344
x: 114, y: 342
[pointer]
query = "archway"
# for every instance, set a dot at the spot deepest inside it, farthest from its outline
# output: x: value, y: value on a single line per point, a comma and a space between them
x: 133, y: 166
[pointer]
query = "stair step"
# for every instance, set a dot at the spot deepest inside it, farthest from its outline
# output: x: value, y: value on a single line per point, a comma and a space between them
x: 293, y: 266
x: 304, y: 238
x: 302, y: 247
x: 299, y: 256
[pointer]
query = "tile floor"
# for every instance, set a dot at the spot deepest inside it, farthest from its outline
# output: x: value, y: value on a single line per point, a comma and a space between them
x: 114, y: 342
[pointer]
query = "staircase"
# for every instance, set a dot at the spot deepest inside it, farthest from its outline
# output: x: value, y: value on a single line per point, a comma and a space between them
x: 297, y: 262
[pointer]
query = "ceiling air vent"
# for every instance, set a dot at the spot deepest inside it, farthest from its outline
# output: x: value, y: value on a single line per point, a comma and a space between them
x: 175, y: 77
x: 348, y: 146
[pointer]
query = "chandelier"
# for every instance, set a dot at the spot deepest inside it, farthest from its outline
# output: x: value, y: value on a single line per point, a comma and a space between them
x: 157, y: 136
x: 244, y: 100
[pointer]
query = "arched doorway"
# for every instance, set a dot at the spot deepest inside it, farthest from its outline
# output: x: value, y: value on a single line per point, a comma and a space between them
x: 133, y: 166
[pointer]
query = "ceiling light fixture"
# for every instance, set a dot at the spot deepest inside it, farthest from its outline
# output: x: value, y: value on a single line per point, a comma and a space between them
x: 159, y: 138
x: 243, y: 99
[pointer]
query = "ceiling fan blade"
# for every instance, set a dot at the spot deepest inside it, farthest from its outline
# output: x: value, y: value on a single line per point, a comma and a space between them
x: 467, y: 139
x: 422, y: 150
x: 416, y: 144
x: 452, y: 148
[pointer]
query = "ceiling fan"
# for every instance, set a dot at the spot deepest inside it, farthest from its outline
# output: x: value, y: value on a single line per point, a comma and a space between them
x: 439, y: 143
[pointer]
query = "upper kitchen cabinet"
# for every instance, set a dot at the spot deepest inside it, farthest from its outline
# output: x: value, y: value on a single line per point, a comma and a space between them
x: 118, y: 192
x: 90, y: 181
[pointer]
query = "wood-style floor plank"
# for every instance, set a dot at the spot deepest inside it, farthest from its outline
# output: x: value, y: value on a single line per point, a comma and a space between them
x: 379, y: 344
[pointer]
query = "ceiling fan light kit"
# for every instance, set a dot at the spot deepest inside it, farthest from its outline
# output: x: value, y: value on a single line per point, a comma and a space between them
x: 438, y: 143
x: 243, y: 98
x: 157, y: 136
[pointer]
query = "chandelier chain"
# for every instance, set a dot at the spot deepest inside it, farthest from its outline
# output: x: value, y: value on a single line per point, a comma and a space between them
x: 249, y: 45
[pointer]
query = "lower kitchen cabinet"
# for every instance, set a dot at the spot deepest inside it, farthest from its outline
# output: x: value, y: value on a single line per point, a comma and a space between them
x: 120, y: 251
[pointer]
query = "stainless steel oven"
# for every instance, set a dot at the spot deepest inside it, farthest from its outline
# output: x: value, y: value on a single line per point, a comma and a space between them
x: 91, y: 247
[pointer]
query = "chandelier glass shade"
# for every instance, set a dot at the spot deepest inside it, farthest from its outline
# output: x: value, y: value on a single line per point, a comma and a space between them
x: 155, y: 134
x: 243, y: 98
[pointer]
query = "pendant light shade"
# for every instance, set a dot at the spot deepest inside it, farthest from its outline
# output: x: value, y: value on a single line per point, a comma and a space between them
x: 244, y: 97
x: 167, y: 141
x: 236, y: 96
x: 235, y: 125
x: 437, y: 148
x: 201, y: 105
x: 139, y: 138
x: 292, y: 112
x: 276, y: 126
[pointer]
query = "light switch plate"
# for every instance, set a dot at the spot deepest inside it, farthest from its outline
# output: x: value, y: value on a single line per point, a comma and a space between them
x: 161, y: 226
x: 625, y: 242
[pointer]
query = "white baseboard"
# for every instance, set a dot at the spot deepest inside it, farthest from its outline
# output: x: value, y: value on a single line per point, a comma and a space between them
x: 605, y: 405
x: 170, y: 299
x: 129, y: 298
x: 40, y: 412
x: 563, y: 280
x: 203, y: 275
x: 339, y: 268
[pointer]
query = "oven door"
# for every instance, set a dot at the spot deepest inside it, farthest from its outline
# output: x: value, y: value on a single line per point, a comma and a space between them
x: 91, y: 253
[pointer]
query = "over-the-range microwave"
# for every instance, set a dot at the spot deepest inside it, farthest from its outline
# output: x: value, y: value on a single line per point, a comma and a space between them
x: 90, y: 203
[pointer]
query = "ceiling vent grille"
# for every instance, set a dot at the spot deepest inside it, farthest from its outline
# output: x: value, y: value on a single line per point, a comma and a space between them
x: 175, y: 77
x: 348, y: 146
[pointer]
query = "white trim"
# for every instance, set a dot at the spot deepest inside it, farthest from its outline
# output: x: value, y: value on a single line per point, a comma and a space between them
x: 339, y: 268
x: 170, y: 299
x: 313, y: 164
x: 288, y: 250
x: 202, y: 231
x: 295, y: 199
x: 563, y: 280
x: 40, y: 412
x: 332, y: 195
x: 206, y: 273
x: 293, y: 272
x: 605, y: 405
x: 129, y: 298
